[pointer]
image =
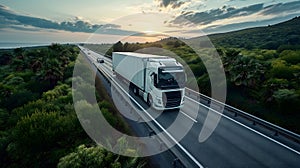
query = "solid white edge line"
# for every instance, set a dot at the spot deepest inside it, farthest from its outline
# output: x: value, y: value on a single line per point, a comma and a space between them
x: 261, y: 134
x: 195, y: 121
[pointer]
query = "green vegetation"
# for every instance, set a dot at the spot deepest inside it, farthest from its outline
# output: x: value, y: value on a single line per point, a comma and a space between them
x: 272, y: 37
x: 269, y: 71
x: 38, y: 123
x: 97, y: 157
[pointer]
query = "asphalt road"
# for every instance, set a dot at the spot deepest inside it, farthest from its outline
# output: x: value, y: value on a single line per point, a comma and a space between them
x: 231, y: 144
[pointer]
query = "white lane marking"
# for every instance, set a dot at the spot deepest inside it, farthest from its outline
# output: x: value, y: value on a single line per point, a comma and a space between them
x: 261, y: 134
x: 195, y: 121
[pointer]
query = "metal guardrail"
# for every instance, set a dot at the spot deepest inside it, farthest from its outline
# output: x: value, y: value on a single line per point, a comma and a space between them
x: 255, y: 120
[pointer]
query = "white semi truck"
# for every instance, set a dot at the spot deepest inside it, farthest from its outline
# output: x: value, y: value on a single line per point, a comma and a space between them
x: 159, y: 80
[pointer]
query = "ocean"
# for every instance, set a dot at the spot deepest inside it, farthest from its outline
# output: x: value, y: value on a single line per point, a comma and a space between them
x: 18, y: 45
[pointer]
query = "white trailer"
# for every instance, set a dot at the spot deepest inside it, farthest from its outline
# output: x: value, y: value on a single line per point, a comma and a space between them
x: 159, y: 80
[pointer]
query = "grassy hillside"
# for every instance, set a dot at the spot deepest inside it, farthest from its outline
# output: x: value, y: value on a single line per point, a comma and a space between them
x: 268, y: 37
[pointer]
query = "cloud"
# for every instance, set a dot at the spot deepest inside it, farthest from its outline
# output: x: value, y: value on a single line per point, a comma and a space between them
x: 282, y: 7
x: 231, y: 18
x: 11, y: 19
x: 170, y: 3
x: 216, y: 14
x: 5, y: 10
x: 234, y: 0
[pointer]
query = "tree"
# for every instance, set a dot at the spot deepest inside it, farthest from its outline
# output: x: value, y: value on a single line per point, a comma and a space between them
x: 89, y: 157
x: 280, y: 69
x: 170, y: 43
x: 292, y: 57
x: 287, y: 100
x: 272, y: 45
x: 4, y: 116
x: 243, y: 70
x: 18, y: 64
x: 19, y: 98
x: 118, y: 47
x: 34, y: 106
x: 198, y: 69
x: 19, y: 51
x: 55, y: 61
x: 126, y: 47
x: 39, y: 140
x: 96, y: 156
x: 177, y: 44
x: 5, y: 58
x: 228, y: 56
x: 130, y: 47
x: 204, y: 84
x: 58, y: 91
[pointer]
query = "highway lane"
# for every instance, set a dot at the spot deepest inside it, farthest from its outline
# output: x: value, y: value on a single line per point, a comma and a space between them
x: 230, y: 145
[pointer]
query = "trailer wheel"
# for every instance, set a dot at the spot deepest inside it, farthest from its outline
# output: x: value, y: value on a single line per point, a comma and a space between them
x: 149, y: 100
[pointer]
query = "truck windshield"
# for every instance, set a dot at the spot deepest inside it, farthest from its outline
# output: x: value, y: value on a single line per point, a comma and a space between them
x: 171, y: 78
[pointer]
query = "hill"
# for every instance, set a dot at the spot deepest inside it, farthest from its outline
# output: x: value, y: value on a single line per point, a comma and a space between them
x: 268, y: 37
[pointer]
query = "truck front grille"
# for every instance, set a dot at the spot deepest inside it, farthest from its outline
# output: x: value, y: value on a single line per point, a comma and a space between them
x: 171, y: 99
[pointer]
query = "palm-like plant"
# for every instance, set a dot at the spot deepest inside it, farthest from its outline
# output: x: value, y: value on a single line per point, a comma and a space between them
x: 243, y: 70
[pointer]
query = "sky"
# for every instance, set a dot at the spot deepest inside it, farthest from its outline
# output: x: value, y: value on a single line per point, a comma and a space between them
x: 135, y: 20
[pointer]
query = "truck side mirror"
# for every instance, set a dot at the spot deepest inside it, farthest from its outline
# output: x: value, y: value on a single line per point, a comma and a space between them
x: 155, y: 79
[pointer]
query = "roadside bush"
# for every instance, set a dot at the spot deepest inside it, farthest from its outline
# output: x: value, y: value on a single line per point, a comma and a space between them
x: 292, y: 57
x: 287, y: 101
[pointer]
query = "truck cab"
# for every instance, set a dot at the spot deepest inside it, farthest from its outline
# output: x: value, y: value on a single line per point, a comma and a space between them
x: 167, y: 82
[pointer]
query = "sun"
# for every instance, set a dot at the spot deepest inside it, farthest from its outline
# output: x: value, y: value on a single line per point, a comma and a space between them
x: 151, y: 32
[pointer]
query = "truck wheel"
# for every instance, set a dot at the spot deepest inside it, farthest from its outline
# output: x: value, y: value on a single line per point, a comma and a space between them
x: 131, y: 88
x: 135, y: 90
x: 149, y: 100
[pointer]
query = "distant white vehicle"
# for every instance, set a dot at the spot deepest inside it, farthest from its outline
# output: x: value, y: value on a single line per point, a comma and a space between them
x: 159, y: 80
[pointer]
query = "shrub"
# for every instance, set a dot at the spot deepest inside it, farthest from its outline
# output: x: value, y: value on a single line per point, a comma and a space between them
x: 287, y: 100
